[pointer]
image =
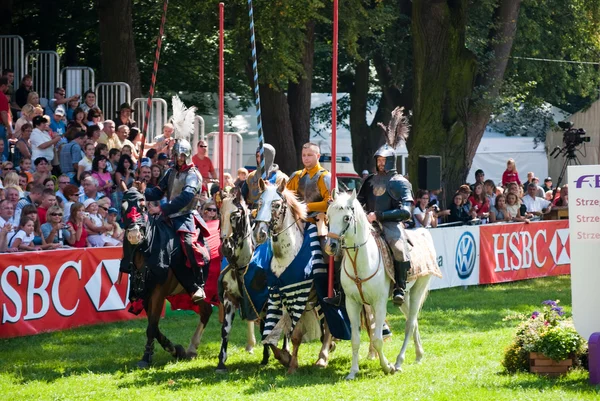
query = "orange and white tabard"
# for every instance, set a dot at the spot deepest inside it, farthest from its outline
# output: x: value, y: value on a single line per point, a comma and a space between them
x: 512, y: 252
x: 55, y: 290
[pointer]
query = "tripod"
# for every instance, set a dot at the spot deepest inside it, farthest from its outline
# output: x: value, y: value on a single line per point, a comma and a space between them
x: 571, y: 160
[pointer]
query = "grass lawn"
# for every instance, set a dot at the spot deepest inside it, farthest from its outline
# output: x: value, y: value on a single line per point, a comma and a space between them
x: 462, y: 331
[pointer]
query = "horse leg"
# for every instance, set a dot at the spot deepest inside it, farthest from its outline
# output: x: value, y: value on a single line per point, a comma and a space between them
x: 380, y: 313
x: 151, y: 332
x: 369, y: 325
x: 176, y: 350
x: 418, y: 346
x: 405, y: 311
x: 266, y: 352
x: 296, y: 341
x: 205, y: 312
x: 250, y: 339
x: 225, y: 331
x: 326, y: 340
x: 353, y: 310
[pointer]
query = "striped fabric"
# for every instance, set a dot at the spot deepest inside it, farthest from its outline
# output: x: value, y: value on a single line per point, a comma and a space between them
x: 291, y: 289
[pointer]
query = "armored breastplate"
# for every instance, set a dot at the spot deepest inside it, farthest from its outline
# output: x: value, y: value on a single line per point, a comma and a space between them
x: 178, y: 181
x: 308, y: 189
x: 378, y: 198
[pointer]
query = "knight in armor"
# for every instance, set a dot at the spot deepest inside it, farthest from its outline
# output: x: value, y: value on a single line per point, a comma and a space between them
x: 179, y: 186
x: 250, y: 189
x: 387, y: 199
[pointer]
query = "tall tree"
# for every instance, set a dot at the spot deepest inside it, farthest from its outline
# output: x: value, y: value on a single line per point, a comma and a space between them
x: 453, y: 90
x: 119, y: 60
x: 6, y: 10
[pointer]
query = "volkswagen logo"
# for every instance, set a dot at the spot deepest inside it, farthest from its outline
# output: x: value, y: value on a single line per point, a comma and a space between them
x: 466, y: 252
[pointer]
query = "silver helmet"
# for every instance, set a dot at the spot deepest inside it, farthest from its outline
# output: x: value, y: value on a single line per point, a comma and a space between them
x: 269, y: 157
x: 390, y: 156
x: 182, y: 147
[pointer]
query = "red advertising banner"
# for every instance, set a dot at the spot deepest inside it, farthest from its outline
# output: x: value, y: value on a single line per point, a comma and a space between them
x: 511, y: 252
x: 55, y: 290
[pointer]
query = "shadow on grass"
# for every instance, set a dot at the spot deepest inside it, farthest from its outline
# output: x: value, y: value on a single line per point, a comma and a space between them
x: 576, y: 381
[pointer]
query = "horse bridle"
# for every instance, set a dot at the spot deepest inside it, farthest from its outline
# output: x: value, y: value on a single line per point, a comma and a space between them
x: 271, y: 223
x: 340, y: 236
x: 238, y: 235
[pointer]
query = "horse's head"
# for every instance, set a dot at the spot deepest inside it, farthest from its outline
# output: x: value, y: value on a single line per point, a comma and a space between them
x: 133, y: 209
x: 270, y: 210
x: 342, y: 214
x: 235, y: 229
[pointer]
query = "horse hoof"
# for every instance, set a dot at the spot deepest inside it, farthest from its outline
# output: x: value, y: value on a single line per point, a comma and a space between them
x: 392, y: 369
x: 398, y: 368
x: 221, y: 370
x: 332, y: 347
x: 264, y: 362
x: 372, y: 356
x: 180, y: 353
x: 351, y: 376
x: 321, y: 363
x: 143, y: 365
x: 192, y: 354
x: 291, y: 370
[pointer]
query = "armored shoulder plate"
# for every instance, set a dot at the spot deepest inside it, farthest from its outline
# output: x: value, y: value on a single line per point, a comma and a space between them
x: 327, y: 180
x: 295, y: 173
x: 400, y: 188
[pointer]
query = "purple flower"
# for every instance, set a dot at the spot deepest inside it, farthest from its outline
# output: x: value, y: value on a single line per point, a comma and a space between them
x: 535, y: 314
x: 559, y: 311
x: 549, y: 303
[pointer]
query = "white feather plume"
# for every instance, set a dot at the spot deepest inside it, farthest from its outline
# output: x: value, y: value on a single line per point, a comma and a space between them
x: 183, y: 119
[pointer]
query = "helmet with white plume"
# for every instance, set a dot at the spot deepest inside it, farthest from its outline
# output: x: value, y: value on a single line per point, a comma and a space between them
x: 183, y: 122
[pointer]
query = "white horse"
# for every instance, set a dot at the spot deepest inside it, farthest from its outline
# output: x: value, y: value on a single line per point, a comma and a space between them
x: 364, y: 279
x: 281, y: 217
x: 238, y: 248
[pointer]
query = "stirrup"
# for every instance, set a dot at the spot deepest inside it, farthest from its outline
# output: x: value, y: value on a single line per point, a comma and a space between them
x: 198, y: 296
x: 398, y: 297
x: 336, y: 300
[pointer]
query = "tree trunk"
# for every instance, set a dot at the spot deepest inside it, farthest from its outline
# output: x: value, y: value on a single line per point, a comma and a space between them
x: 446, y: 121
x: 299, y: 95
x: 6, y: 8
x: 277, y: 127
x: 49, y: 15
x: 119, y: 61
x: 362, y: 141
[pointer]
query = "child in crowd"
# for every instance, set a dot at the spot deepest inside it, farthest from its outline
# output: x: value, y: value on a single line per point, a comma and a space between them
x: 510, y: 174
x: 25, y: 168
x: 23, y: 239
x: 116, y: 232
x: 242, y: 174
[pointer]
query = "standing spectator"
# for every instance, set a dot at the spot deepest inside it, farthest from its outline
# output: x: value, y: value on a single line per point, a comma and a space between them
x: 424, y: 216
x: 6, y: 230
x: 94, y: 117
x: 101, y: 174
x: 71, y: 154
x: 145, y: 174
x: 85, y: 164
x: 33, y: 198
x: 60, y: 100
x: 58, y: 125
x: 479, y: 178
x: 90, y: 190
x: 458, y: 212
x: 203, y: 162
x: 93, y: 133
x: 76, y: 223
x: 23, y: 238
x: 78, y: 120
x: 42, y: 143
x: 163, y: 161
x: 7, y: 213
x: 164, y: 143
x: 55, y: 231
x: 72, y: 196
x: 123, y: 134
x: 155, y: 175
x: 5, y: 117
x: 540, y: 192
x: 124, y: 116
x: 34, y: 99
x: 23, y: 147
x: 12, y: 194
x: 71, y: 107
x: 42, y: 170
x: 109, y: 136
x: 89, y: 101
x: 489, y: 187
x: 530, y: 176
x: 547, y: 184
x: 479, y: 202
x: 535, y: 205
x: 63, y: 181
x: 113, y: 158
x: 510, y: 174
x: 242, y: 174
x: 563, y: 198
x: 21, y: 94
x: 50, y: 184
x: 498, y: 212
x: 27, y: 114
x: 123, y: 180
x: 48, y: 200
x: 111, y: 218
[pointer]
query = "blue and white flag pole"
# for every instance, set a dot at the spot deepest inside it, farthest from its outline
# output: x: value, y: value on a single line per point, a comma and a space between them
x: 261, y: 140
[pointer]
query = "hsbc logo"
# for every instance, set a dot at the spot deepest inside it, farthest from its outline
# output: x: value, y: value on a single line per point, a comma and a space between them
x: 592, y: 181
x: 102, y: 289
x: 559, y: 248
x: 466, y: 252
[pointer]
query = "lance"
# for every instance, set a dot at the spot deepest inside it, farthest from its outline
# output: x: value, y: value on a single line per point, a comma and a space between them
x: 261, y: 141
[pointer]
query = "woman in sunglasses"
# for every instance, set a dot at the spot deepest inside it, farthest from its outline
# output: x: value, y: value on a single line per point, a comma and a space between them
x: 55, y: 231
x: 209, y: 211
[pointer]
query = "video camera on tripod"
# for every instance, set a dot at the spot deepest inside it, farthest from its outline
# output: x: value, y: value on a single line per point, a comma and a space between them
x: 572, y: 138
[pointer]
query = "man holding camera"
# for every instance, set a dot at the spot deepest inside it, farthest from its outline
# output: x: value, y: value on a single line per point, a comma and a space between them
x: 60, y: 99
x: 387, y: 198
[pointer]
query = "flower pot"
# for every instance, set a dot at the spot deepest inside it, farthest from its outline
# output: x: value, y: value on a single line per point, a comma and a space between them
x: 542, y: 365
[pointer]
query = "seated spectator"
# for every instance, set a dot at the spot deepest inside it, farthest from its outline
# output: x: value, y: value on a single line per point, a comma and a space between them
x: 11, y: 178
x: 33, y: 198
x: 55, y: 231
x: 123, y: 116
x: 23, y: 92
x: 94, y: 224
x: 48, y: 200
x: 27, y: 114
x: 94, y: 117
x: 156, y: 173
x: 90, y: 190
x: 123, y: 135
x: 459, y: 209
x: 93, y: 134
x: 71, y: 193
x: 58, y: 125
x: 7, y: 213
x: 34, y: 99
x: 38, y: 240
x: 50, y: 184
x: 109, y: 136
x: 549, y: 195
x: 563, y: 197
x: 108, y: 237
x: 89, y: 101
x: 164, y: 143
x: 71, y: 107
x: 85, y: 164
x: 530, y: 176
x: 424, y: 215
x: 75, y: 221
x: 547, y: 184
x: 101, y: 174
x: 510, y: 174
x: 515, y: 209
x: 12, y: 194
x: 116, y: 232
x: 63, y: 181
x: 22, y: 148
x: 228, y: 181
x: 23, y: 182
x: 145, y: 173
x: 480, y: 205
x: 60, y: 101
x: 71, y: 154
x: 535, y: 205
x: 78, y: 121
x: 25, y: 171
x: 5, y: 231
x: 163, y: 161
x: 499, y: 212
x: 23, y: 238
x: 42, y: 170
x: 113, y: 157
x: 42, y: 142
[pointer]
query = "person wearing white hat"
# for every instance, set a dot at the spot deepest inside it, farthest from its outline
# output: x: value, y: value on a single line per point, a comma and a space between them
x: 58, y: 125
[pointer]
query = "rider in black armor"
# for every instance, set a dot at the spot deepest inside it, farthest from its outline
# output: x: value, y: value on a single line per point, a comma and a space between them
x: 387, y: 198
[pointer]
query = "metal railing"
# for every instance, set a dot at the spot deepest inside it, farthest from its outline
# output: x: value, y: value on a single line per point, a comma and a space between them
x: 44, y: 68
x: 234, y: 149
x: 77, y: 80
x: 158, y: 115
x: 12, y: 55
x: 110, y: 95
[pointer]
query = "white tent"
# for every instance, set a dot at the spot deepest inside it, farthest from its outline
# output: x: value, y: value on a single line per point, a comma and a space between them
x: 493, y: 152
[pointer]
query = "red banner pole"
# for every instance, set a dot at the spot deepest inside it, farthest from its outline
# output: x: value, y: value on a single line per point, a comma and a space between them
x: 221, y: 97
x: 334, y: 80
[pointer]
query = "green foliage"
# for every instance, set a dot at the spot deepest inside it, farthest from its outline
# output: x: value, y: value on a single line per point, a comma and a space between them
x: 548, y: 332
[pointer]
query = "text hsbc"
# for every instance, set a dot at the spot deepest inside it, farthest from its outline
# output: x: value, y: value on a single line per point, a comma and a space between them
x: 520, y: 248
x: 42, y: 291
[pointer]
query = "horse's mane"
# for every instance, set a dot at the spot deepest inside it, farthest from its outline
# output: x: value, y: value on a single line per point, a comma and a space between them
x: 342, y: 200
x: 298, y: 208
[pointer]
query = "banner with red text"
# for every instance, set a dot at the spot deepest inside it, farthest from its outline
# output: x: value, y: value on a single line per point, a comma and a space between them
x: 521, y: 251
x: 55, y: 290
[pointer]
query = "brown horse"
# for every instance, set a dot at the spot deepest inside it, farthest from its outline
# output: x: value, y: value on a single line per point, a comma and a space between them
x: 151, y: 284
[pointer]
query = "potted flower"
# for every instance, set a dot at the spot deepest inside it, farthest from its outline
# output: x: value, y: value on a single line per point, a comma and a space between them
x: 546, y: 342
